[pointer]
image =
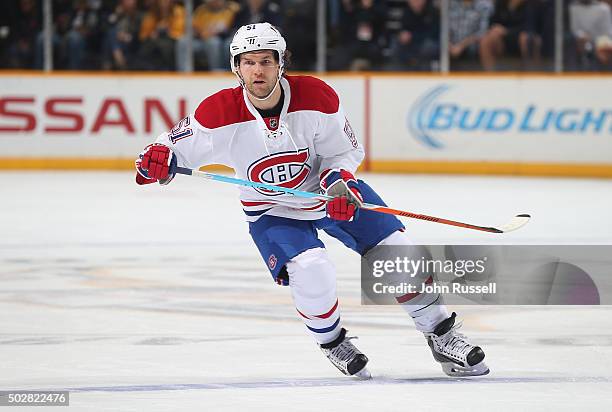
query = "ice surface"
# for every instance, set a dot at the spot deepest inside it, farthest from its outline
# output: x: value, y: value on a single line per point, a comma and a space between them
x: 154, y: 299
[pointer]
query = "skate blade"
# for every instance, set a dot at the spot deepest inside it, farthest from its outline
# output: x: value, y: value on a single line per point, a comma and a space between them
x: 363, y: 374
x: 454, y: 370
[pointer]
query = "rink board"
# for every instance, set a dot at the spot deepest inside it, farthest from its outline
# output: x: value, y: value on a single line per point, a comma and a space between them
x: 534, y: 125
x: 512, y: 125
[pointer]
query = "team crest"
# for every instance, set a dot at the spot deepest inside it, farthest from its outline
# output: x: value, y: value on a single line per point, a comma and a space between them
x: 272, y: 262
x: 287, y: 169
x: 273, y: 123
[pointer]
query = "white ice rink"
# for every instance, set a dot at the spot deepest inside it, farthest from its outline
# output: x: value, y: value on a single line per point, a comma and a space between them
x: 154, y: 299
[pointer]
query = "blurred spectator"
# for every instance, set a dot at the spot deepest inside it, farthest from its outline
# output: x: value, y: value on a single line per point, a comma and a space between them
x: 121, y: 41
x: 19, y: 29
x: 84, y: 38
x: 545, y: 24
x: 468, y: 22
x: 5, y: 30
x: 212, y: 22
x: 417, y: 43
x: 513, y: 30
x: 162, y: 25
x: 77, y: 35
x: 300, y: 14
x: 257, y: 11
x: 361, y: 36
x: 591, y: 25
x: 254, y: 11
x: 62, y: 11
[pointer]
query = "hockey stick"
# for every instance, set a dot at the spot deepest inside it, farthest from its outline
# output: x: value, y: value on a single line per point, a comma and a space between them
x: 517, y: 221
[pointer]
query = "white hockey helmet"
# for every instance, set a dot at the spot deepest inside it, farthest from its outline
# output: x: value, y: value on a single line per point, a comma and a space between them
x: 257, y: 36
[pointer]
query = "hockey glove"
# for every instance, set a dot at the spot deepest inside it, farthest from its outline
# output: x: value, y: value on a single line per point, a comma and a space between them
x: 343, y: 187
x: 155, y: 163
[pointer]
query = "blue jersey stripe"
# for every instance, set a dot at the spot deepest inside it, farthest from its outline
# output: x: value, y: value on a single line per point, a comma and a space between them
x: 255, y: 212
x: 325, y: 330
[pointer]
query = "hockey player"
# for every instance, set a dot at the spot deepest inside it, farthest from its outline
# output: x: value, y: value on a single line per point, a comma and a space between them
x: 292, y: 131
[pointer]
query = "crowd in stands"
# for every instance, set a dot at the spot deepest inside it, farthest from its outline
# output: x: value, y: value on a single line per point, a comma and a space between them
x: 362, y: 34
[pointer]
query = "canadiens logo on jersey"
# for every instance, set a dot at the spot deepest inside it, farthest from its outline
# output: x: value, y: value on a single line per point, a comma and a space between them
x: 287, y: 169
x: 272, y: 260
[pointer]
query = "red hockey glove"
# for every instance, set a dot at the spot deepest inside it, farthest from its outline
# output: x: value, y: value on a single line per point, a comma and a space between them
x: 156, y: 162
x: 343, y: 187
x: 340, y: 209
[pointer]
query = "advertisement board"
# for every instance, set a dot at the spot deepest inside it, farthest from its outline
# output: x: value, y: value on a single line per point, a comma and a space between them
x: 497, y: 123
x: 541, y: 125
x: 113, y: 116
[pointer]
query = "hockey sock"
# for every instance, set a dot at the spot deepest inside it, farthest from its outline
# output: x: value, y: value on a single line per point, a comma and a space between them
x: 312, y: 279
x: 426, y: 309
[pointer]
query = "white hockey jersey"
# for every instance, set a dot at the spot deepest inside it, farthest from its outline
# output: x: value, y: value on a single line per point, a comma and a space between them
x: 312, y: 135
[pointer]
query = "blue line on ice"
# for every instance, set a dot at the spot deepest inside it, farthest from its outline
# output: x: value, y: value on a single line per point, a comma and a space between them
x: 306, y: 383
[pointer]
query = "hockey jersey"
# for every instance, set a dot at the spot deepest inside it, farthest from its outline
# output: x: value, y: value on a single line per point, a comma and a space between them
x: 312, y: 135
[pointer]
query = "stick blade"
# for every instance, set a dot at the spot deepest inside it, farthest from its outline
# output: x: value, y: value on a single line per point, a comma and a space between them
x: 517, y: 222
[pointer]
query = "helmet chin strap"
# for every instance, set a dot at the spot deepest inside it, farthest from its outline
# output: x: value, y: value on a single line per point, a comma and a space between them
x: 261, y: 99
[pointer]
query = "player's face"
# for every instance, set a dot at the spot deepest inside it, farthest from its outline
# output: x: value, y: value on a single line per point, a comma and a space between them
x: 259, y: 71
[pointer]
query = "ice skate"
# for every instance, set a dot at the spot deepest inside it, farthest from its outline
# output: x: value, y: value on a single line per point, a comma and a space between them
x: 346, y: 357
x: 457, y: 356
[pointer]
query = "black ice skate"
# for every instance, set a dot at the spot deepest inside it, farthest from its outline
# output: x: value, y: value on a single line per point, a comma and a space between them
x: 346, y: 357
x: 457, y: 356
